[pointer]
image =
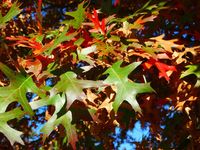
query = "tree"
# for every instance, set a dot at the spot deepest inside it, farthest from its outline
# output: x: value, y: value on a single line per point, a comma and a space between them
x: 76, y: 82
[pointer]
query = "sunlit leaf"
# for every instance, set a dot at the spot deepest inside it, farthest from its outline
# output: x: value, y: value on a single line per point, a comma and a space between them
x: 125, y: 88
x: 99, y: 26
x: 14, y: 10
x: 12, y: 134
x: 17, y: 89
x: 73, y: 87
x: 78, y: 15
x: 181, y: 56
x: 192, y: 69
x: 83, y: 54
x: 166, y: 44
x: 163, y: 68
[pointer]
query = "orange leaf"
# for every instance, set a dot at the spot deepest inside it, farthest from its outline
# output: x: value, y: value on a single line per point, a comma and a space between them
x: 37, y: 47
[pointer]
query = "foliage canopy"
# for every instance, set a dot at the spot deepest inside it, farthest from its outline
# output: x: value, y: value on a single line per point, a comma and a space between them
x: 91, y: 70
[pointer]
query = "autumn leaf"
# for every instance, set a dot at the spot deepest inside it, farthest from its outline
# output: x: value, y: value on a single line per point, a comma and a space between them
x: 99, y: 26
x: 125, y: 29
x: 25, y: 42
x: 163, y: 68
x: 166, y: 44
x: 193, y: 69
x: 179, y: 55
x: 31, y: 65
x: 62, y: 37
x: 73, y: 87
x: 139, y: 23
x: 126, y: 90
x: 36, y: 46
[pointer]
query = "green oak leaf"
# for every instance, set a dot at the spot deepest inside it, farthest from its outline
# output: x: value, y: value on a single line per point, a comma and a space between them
x: 125, y: 88
x: 78, y: 15
x: 14, y: 11
x: 193, y: 69
x: 66, y: 119
x: 73, y: 87
x: 12, y: 134
x: 17, y: 89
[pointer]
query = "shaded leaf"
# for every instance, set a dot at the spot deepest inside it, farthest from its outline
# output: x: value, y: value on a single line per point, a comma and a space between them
x: 66, y: 119
x: 64, y: 36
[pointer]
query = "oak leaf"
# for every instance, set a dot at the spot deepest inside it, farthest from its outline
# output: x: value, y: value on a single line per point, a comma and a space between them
x: 12, y: 134
x: 166, y: 44
x: 17, y: 89
x: 193, y: 69
x: 99, y: 26
x: 163, y: 68
x: 66, y: 119
x: 73, y: 87
x: 125, y: 88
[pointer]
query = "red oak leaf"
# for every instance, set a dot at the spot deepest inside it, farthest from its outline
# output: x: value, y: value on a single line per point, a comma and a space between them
x: 25, y: 42
x: 163, y: 68
x: 45, y: 60
x: 98, y: 25
x: 87, y: 38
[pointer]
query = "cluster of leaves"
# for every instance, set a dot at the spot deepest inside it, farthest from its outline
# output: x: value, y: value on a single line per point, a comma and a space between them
x: 95, y: 60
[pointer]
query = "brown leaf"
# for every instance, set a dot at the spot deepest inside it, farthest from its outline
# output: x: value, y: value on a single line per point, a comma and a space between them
x: 166, y: 44
x: 31, y: 65
x: 179, y: 56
